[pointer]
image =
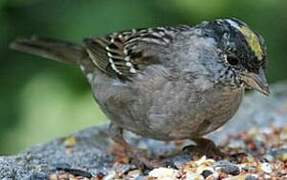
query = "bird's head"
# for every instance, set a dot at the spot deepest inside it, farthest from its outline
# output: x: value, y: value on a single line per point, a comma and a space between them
x: 242, y: 52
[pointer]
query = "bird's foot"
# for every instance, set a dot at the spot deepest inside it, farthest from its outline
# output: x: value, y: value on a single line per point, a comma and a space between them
x: 131, y: 154
x: 139, y: 157
x: 204, y: 147
x: 141, y: 160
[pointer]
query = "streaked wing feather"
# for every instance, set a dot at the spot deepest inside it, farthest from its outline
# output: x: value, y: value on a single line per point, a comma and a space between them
x: 123, y: 53
x: 108, y: 55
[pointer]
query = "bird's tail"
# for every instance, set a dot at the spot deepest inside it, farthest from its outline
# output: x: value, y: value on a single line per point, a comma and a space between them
x: 57, y: 50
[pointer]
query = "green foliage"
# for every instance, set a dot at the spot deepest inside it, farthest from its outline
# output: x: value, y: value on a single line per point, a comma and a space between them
x: 43, y: 99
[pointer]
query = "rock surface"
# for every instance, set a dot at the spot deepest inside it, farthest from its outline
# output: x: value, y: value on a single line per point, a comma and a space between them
x: 87, y: 153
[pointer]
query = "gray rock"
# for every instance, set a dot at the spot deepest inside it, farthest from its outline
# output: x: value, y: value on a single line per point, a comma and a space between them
x: 280, y: 154
x: 227, y: 167
x: 87, y: 152
x: 250, y: 177
x: 206, y: 173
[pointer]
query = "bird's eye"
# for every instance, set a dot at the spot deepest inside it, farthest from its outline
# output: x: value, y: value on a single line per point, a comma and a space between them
x: 232, y: 60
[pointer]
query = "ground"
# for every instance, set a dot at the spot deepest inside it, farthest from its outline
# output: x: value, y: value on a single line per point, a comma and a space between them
x: 254, y: 142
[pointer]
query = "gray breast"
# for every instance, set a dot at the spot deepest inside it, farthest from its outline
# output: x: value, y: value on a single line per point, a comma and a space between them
x: 180, y: 110
x: 165, y: 107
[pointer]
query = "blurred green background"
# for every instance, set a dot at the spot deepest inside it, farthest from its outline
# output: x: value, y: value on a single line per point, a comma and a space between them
x: 41, y: 99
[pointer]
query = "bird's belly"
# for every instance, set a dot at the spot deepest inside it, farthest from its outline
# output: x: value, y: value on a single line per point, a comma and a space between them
x: 195, y: 117
x: 169, y: 113
x: 210, y: 117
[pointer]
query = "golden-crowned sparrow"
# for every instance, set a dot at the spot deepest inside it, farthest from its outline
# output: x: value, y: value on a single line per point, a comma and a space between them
x: 166, y: 83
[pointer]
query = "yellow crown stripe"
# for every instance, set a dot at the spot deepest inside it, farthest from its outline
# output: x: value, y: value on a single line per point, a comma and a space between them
x: 252, y: 41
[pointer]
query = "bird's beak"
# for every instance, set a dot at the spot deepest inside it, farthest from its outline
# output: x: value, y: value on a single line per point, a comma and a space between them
x: 256, y: 81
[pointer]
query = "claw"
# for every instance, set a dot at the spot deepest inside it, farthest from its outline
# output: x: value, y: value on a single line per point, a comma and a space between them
x: 204, y: 147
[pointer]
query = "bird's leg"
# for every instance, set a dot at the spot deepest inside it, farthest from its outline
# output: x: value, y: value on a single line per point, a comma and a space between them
x: 116, y: 133
x: 204, y: 147
x: 137, y: 155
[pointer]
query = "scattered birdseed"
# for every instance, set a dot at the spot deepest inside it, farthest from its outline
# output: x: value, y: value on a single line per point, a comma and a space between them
x: 255, y: 154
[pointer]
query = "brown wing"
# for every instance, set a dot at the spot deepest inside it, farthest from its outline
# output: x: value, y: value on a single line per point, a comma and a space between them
x: 109, y: 55
x: 126, y: 53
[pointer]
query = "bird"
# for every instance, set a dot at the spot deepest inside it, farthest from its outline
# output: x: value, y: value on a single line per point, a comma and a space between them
x: 166, y: 83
